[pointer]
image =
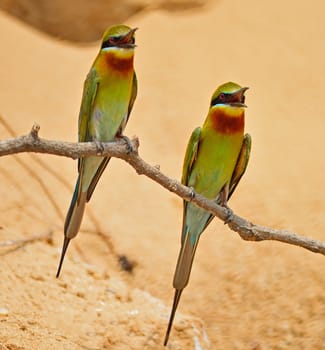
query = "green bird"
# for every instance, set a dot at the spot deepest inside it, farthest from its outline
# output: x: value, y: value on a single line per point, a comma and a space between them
x: 215, y: 160
x: 109, y: 93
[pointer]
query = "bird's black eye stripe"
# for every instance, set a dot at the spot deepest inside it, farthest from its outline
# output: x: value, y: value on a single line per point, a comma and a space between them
x: 106, y: 43
x: 220, y: 99
x: 114, y: 41
x: 111, y: 41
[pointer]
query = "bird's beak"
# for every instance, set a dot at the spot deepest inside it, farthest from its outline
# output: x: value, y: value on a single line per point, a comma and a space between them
x: 132, y: 31
x: 238, y: 98
x: 126, y: 40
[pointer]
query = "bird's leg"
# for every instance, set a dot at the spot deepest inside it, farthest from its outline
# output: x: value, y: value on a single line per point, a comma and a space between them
x: 99, y: 147
x: 224, y: 202
x: 192, y: 194
x: 230, y: 215
x: 128, y: 143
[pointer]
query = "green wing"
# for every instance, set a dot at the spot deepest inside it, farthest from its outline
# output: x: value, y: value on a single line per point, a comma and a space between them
x: 133, y: 95
x: 89, y: 94
x: 191, y: 154
x: 189, y: 159
x: 88, y: 98
x: 241, y: 164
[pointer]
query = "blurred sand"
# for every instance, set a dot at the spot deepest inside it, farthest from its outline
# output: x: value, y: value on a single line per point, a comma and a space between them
x: 249, y: 295
x: 84, y: 21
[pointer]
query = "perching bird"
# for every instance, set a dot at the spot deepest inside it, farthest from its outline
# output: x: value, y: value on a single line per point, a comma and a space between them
x: 109, y: 93
x: 215, y: 160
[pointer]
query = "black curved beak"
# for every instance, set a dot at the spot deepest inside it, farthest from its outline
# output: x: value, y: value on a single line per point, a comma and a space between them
x: 127, y: 41
x: 238, y: 98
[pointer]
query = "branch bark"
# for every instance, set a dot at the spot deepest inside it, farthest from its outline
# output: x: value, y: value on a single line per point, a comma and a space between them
x: 118, y: 149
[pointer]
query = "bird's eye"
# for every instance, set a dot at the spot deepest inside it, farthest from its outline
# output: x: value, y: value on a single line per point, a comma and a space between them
x: 222, y: 98
x: 114, y: 39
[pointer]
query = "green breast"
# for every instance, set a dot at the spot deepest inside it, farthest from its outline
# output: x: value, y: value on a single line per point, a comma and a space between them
x: 216, y: 159
x: 110, y: 107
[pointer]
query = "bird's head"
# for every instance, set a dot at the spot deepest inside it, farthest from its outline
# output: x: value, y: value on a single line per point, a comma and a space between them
x: 119, y: 36
x: 229, y: 94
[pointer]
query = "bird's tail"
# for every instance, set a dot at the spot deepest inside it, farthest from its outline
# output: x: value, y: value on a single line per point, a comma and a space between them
x: 182, y: 274
x: 185, y: 261
x: 75, y: 213
x: 73, y: 220
x: 178, y: 293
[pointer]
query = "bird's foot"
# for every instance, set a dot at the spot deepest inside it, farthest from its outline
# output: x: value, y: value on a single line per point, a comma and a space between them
x: 230, y: 215
x: 128, y: 144
x: 99, y: 147
x: 192, y: 194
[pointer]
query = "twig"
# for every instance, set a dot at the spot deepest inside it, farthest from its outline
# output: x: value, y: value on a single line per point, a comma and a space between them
x: 247, y: 230
x: 19, y: 243
x: 24, y: 241
x: 57, y: 175
x: 30, y: 170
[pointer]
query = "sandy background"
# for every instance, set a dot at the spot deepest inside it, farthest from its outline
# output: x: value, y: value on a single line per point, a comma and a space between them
x: 241, y: 295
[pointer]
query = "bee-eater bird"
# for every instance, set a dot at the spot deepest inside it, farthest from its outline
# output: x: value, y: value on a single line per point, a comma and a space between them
x: 109, y: 93
x: 215, y: 160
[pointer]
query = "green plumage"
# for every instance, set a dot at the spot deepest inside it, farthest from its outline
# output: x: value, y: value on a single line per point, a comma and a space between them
x: 215, y: 160
x: 109, y: 93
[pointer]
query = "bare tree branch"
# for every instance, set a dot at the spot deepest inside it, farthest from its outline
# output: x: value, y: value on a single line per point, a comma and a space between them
x: 247, y: 230
x: 28, y: 167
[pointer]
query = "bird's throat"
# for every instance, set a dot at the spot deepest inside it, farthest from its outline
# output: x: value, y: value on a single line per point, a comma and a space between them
x: 119, y: 61
x: 228, y: 120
